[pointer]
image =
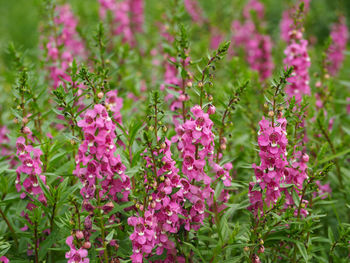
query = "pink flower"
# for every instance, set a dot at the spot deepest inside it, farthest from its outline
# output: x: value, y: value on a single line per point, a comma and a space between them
x: 4, y: 259
x: 323, y: 190
x: 74, y: 255
x: 335, y: 52
x: 127, y: 15
x: 298, y: 58
x: 269, y: 174
x: 30, y: 166
x: 195, y: 11
x: 101, y: 166
x: 257, y: 47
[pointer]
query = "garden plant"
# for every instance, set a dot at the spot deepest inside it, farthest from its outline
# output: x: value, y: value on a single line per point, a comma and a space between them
x: 174, y: 131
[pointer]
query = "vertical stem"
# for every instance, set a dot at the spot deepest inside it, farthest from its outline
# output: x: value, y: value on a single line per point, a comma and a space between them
x: 183, y: 92
x: 103, y: 235
x: 14, y: 236
x: 36, y: 240
x: 325, y: 134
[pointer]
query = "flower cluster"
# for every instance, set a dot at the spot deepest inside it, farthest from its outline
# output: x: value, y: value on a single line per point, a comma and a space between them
x: 76, y: 255
x: 196, y: 143
x: 296, y: 174
x: 161, y: 215
x: 270, y: 174
x: 323, y: 191
x: 257, y: 46
x: 4, y: 141
x: 127, y: 17
x: 287, y: 23
x: 298, y: 58
x: 195, y: 11
x: 335, y: 52
x: 31, y: 166
x: 96, y: 155
x: 68, y: 37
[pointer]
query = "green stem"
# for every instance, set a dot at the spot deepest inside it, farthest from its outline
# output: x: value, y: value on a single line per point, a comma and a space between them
x: 14, y: 236
x: 103, y: 235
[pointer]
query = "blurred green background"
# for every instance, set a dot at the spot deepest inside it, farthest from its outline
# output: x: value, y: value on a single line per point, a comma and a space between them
x: 20, y: 19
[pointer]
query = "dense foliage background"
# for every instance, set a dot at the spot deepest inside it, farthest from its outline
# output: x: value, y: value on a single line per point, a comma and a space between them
x: 140, y: 85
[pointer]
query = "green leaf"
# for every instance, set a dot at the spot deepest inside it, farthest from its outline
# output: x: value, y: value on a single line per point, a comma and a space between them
x: 334, y: 156
x: 303, y: 251
x: 109, y: 237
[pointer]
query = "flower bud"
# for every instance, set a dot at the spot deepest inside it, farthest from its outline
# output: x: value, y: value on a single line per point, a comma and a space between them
x: 87, y: 245
x: 189, y: 84
x: 108, y: 207
x: 305, y: 158
x: 79, y: 234
x: 246, y: 249
x: 223, y: 146
x: 88, y: 223
x: 182, y: 97
x: 271, y: 113
x: 100, y: 95
x: 200, y: 84
x: 211, y: 109
x: 261, y: 249
x: 26, y: 130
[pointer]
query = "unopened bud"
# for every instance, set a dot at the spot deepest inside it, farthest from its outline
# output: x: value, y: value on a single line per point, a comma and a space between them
x: 26, y: 130
x: 189, y: 84
x: 305, y: 158
x: 271, y: 113
x: 182, y: 97
x: 153, y: 204
x: 79, y: 234
x: 25, y: 120
x: 87, y: 245
x: 100, y: 95
x: 246, y: 249
x: 200, y: 84
x: 261, y: 249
